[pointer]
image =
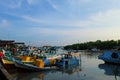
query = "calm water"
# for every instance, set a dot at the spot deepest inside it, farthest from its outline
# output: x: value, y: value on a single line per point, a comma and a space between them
x: 90, y: 69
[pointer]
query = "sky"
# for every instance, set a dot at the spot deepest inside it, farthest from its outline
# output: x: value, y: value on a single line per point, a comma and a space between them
x: 59, y: 22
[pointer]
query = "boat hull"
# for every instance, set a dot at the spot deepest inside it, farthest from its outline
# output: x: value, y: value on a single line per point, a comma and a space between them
x: 68, y: 59
x: 30, y: 67
x: 7, y: 64
x: 108, y: 57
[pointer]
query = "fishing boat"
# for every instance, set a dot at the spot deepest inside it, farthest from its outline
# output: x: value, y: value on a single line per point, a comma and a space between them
x: 110, y: 57
x: 8, y: 64
x: 49, y: 57
x: 37, y: 66
x: 7, y: 61
x: 4, y: 74
x: 69, y: 59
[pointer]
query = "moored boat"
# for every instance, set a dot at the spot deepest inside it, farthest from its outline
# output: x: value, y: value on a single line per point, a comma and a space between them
x: 69, y: 59
x: 8, y: 64
x: 110, y: 57
x: 37, y: 66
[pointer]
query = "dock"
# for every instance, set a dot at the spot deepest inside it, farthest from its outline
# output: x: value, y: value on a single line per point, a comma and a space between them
x: 4, y: 75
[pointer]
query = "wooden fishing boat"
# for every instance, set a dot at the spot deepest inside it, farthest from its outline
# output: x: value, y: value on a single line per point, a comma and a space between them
x: 48, y: 58
x: 69, y: 59
x: 8, y: 64
x: 37, y: 66
x: 4, y: 74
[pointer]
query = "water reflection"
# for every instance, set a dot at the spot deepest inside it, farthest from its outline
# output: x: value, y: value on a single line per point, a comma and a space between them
x: 70, y: 70
x: 32, y: 75
x: 90, y: 55
x: 111, y: 70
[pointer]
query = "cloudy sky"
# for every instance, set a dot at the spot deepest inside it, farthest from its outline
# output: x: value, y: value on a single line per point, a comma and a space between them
x: 59, y: 22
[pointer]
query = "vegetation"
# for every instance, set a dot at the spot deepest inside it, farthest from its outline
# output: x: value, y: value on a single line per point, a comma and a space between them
x: 102, y: 45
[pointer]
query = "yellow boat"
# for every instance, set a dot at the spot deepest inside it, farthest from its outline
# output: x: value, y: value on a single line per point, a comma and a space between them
x: 9, y: 64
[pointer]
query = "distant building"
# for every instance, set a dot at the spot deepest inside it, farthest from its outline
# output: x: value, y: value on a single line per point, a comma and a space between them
x: 19, y: 43
x: 10, y: 43
x: 7, y: 43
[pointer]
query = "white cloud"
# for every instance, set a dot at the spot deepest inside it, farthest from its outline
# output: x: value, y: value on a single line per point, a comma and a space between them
x: 33, y: 2
x: 73, y: 35
x: 99, y: 26
x: 53, y: 22
x: 85, y: 0
x: 30, y: 1
x: 15, y: 4
x: 4, y: 23
x: 53, y: 5
x: 11, y: 4
x: 29, y: 18
x: 108, y: 18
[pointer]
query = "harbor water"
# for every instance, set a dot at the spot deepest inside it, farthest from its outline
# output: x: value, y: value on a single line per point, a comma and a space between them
x: 90, y: 68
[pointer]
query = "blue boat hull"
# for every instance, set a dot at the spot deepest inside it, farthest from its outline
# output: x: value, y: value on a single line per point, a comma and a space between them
x: 108, y: 57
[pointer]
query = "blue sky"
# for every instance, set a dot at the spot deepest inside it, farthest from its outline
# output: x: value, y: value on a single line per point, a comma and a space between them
x: 59, y: 22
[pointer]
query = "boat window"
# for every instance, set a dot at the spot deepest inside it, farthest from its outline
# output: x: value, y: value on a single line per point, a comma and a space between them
x: 66, y: 56
x: 114, y: 55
